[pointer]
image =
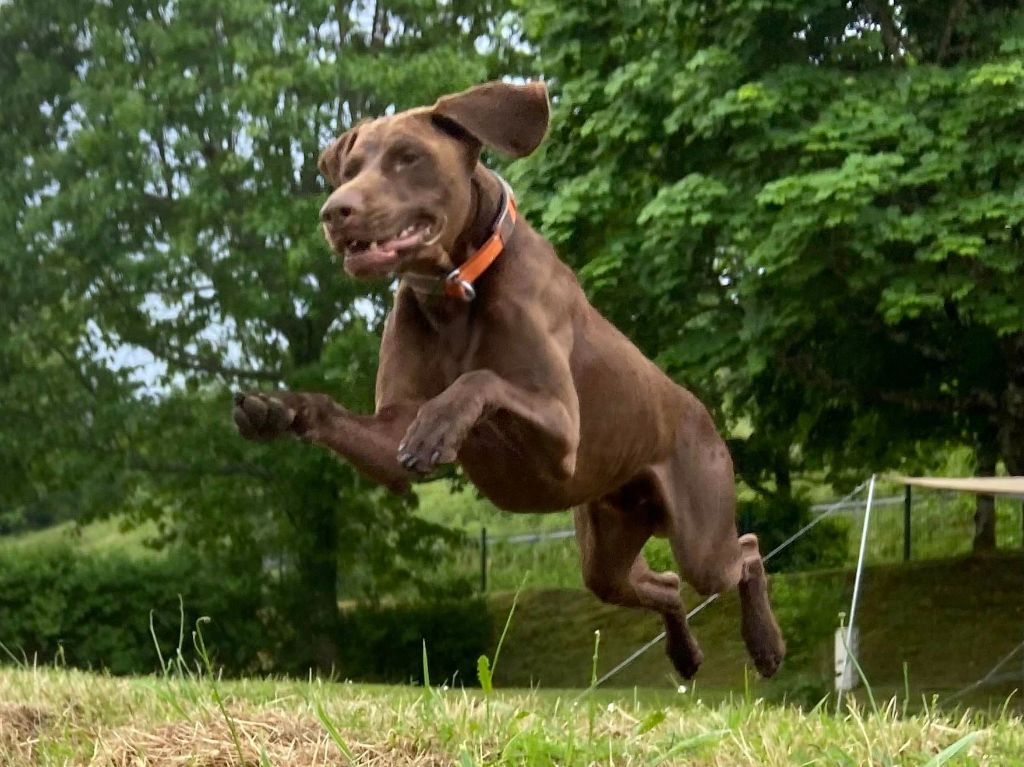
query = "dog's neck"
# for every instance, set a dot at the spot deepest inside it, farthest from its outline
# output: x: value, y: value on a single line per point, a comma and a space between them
x: 485, y: 199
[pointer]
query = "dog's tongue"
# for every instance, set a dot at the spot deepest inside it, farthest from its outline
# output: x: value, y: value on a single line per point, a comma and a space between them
x: 379, y: 258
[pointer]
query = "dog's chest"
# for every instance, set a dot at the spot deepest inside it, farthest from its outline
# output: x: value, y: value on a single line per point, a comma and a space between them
x: 459, y: 353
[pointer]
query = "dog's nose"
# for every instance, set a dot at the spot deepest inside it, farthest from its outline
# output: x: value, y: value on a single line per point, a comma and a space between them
x: 341, y: 205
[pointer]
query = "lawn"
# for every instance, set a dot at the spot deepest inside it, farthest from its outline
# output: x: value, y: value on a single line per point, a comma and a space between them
x: 56, y: 716
x: 97, y: 536
x: 60, y: 717
x: 934, y: 626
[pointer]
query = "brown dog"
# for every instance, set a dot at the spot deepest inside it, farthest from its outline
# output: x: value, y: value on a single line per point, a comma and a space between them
x: 492, y: 357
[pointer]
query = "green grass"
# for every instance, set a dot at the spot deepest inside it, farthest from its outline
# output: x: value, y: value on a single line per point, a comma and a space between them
x: 101, y: 535
x: 942, y: 526
x: 59, y: 717
x: 463, y: 508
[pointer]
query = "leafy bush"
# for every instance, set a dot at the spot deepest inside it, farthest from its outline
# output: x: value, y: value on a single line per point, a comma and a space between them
x: 385, y: 644
x: 93, y: 611
x: 774, y: 519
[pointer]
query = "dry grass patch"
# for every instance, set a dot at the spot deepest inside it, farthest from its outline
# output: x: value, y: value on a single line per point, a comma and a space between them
x: 251, y: 739
x: 19, y: 728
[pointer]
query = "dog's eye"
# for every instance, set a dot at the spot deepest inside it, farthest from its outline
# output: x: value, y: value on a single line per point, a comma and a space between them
x: 349, y: 170
x: 405, y: 159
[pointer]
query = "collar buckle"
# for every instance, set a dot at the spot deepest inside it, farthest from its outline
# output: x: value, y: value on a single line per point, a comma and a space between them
x: 457, y: 287
x: 459, y: 282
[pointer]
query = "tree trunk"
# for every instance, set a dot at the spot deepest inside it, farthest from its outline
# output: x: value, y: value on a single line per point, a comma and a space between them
x: 985, y: 505
x: 314, y: 503
x: 783, y: 478
x: 318, y: 601
x: 1011, y: 424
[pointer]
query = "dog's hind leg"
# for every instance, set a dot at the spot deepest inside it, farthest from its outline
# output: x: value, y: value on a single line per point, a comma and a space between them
x: 611, y: 533
x: 698, y: 486
x: 761, y: 632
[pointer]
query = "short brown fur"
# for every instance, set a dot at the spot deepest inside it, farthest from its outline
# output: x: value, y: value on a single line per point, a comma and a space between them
x: 542, y: 401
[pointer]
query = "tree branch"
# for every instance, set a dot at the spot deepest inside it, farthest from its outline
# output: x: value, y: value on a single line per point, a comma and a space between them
x: 757, y: 486
x: 75, y: 369
x: 211, y: 365
x: 882, y: 14
x: 956, y: 11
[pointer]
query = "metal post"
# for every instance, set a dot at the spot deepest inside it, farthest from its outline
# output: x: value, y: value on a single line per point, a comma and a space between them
x: 483, y: 560
x: 856, y: 579
x: 907, y: 501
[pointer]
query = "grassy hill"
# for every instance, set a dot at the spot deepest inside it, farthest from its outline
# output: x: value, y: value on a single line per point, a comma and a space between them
x: 99, y: 536
x: 950, y: 621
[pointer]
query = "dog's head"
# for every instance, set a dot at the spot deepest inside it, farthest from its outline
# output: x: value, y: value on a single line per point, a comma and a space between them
x: 402, y: 184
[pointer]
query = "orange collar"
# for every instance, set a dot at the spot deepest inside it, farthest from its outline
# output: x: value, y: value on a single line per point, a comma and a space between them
x: 459, y: 281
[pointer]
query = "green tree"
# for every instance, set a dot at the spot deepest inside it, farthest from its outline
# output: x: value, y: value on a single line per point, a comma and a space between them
x: 60, y: 404
x: 168, y: 186
x: 809, y: 211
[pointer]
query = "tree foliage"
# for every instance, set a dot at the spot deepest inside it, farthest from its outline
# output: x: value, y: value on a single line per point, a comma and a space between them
x: 808, y: 211
x: 165, y: 195
x: 811, y: 212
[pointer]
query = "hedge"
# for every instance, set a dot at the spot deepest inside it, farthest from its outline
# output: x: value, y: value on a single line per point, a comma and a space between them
x: 386, y: 644
x: 93, y: 611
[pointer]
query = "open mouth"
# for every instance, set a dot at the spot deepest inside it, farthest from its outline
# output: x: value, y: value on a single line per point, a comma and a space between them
x: 382, y: 256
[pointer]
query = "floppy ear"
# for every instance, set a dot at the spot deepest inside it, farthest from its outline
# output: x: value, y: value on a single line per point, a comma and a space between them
x: 331, y: 158
x: 510, y: 118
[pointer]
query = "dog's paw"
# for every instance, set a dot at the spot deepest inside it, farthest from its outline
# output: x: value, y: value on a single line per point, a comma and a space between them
x: 262, y: 417
x: 433, y: 438
x: 682, y: 649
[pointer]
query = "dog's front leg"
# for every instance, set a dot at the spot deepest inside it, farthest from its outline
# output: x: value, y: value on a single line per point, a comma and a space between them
x: 369, y: 443
x: 442, y: 423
